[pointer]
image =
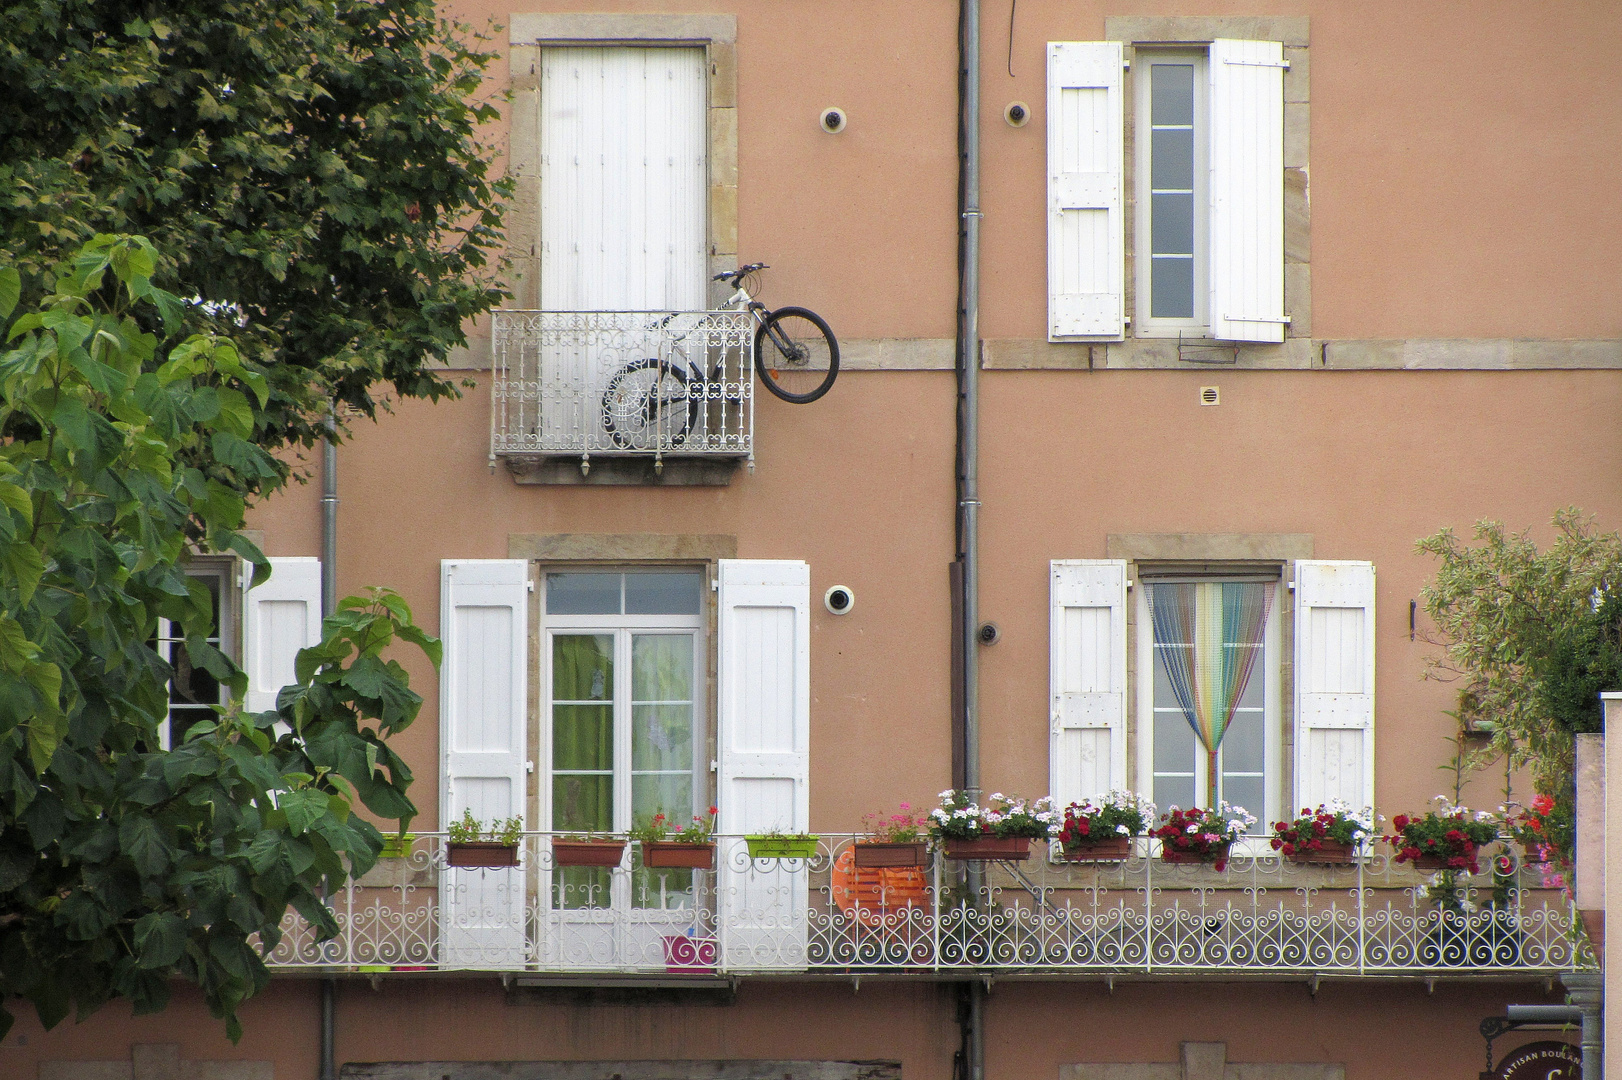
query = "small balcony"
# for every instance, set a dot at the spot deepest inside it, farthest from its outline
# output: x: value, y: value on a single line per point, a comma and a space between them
x: 824, y: 916
x: 586, y: 386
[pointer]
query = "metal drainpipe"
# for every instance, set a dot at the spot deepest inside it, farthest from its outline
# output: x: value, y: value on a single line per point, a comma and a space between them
x: 329, y: 604
x: 969, y: 489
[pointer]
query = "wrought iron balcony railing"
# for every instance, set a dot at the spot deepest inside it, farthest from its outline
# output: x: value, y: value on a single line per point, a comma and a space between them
x: 824, y: 915
x: 622, y: 383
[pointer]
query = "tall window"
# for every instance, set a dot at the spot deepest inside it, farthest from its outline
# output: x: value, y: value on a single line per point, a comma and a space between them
x: 1213, y: 725
x: 193, y: 692
x: 1172, y: 139
x: 624, y: 661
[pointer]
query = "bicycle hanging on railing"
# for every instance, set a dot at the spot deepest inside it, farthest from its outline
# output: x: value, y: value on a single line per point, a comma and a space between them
x: 657, y: 401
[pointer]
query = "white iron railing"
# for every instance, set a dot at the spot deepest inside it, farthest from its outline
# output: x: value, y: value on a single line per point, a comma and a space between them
x: 821, y: 915
x: 639, y: 383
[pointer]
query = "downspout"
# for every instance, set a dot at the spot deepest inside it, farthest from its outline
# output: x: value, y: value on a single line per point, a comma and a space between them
x: 329, y: 604
x: 968, y: 488
x: 1584, y: 991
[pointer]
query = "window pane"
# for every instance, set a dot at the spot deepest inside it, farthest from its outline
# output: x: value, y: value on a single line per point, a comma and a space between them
x: 662, y: 667
x: 1172, y: 284
x: 1172, y: 226
x: 662, y: 594
x: 582, y: 737
x: 1171, y: 94
x: 1174, y: 753
x: 1242, y: 743
x: 1173, y: 791
x: 583, y: 594
x: 582, y: 803
x: 1246, y: 791
x: 662, y: 737
x: 667, y: 793
x: 583, y: 667
x: 1171, y: 159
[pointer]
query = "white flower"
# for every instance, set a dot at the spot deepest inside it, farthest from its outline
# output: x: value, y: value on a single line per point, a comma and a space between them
x: 1123, y: 830
x: 1192, y: 829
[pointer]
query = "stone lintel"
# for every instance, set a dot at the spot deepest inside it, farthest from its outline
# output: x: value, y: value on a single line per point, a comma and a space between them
x: 1208, y: 547
x: 621, y: 547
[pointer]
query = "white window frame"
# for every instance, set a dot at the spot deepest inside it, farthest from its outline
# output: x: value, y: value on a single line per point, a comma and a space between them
x: 1145, y: 325
x: 1274, y: 719
x: 226, y: 636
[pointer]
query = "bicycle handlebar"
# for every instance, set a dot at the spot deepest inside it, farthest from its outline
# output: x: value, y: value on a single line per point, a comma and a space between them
x: 735, y: 276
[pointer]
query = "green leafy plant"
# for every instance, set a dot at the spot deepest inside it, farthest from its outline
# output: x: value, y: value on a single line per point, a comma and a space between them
x: 901, y: 827
x: 659, y: 829
x: 1547, y: 828
x: 1450, y: 833
x: 1119, y: 814
x: 1335, y: 821
x: 959, y: 818
x: 469, y: 830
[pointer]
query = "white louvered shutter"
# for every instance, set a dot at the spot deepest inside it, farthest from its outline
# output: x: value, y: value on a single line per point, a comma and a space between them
x: 1334, y: 683
x: 1086, y: 252
x: 1088, y: 675
x: 1247, y: 190
x: 484, y: 617
x: 763, y: 735
x: 280, y: 617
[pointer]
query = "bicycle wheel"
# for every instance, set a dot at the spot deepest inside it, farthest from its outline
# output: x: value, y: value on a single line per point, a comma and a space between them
x: 645, y: 406
x: 796, y: 355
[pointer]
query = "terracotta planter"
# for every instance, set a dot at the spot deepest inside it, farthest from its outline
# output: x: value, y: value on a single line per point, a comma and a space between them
x: 1110, y: 849
x: 1333, y: 853
x: 1216, y: 854
x: 587, y: 852
x: 878, y: 854
x: 1013, y: 848
x: 667, y: 854
x: 781, y: 847
x: 481, y: 853
x: 1437, y: 862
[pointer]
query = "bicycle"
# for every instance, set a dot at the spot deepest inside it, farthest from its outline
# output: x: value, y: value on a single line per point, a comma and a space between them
x: 796, y: 356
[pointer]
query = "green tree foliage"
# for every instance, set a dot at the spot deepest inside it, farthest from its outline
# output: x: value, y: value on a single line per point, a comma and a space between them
x: 312, y: 169
x: 123, y: 865
x: 1534, y: 635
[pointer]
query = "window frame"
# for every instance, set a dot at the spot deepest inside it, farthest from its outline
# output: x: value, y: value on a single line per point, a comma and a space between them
x: 227, y: 569
x: 1144, y: 324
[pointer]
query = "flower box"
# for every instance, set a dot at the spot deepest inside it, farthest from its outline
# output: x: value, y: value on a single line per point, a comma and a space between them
x: 1436, y: 862
x: 396, y: 846
x: 1109, y: 849
x: 1013, y: 848
x: 1216, y: 853
x: 588, y: 852
x: 669, y: 854
x: 481, y: 853
x: 1535, y: 854
x: 781, y: 847
x: 878, y: 854
x: 1329, y: 853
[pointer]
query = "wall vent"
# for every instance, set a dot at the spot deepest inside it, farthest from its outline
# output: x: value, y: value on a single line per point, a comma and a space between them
x: 1209, y: 395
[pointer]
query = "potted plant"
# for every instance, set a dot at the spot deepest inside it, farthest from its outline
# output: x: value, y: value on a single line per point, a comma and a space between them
x: 690, y: 846
x: 1103, y: 832
x: 397, y: 845
x: 1202, y: 836
x: 777, y: 844
x: 473, y: 844
x: 1003, y: 830
x: 583, y: 849
x: 1546, y: 831
x: 1329, y: 835
x: 1447, y: 838
x: 898, y: 840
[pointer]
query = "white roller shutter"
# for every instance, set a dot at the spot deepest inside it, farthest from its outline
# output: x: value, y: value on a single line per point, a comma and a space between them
x: 1088, y: 676
x: 1334, y: 683
x: 1247, y: 190
x: 280, y: 617
x: 484, y: 609
x: 1086, y: 247
x: 763, y: 735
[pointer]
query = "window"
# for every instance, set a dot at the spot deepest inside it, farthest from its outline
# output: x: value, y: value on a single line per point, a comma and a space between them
x: 193, y: 692
x: 1173, y: 129
x: 1213, y: 730
x: 624, y: 655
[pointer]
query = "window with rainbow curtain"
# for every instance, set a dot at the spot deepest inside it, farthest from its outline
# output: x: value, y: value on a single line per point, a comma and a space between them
x: 1209, y: 728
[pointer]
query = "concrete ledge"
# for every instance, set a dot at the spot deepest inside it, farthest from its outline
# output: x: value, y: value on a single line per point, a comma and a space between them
x: 1292, y: 30
x: 621, y: 547
x: 729, y: 1069
x: 1486, y: 354
x: 1207, y: 547
x: 606, y: 29
x: 623, y: 471
x: 898, y: 354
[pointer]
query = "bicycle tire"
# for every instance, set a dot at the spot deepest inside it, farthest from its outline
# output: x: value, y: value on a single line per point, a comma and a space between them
x: 631, y: 411
x: 798, y: 379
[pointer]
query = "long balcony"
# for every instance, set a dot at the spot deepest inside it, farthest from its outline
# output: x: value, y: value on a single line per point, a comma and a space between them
x: 651, y: 384
x: 822, y: 915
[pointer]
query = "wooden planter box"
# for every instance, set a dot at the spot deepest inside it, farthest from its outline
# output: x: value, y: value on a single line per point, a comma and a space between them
x: 1333, y: 853
x: 1437, y: 862
x: 878, y: 854
x: 588, y: 852
x: 673, y: 854
x: 1013, y: 848
x: 1112, y: 849
x: 1216, y: 854
x: 481, y: 853
x: 781, y: 847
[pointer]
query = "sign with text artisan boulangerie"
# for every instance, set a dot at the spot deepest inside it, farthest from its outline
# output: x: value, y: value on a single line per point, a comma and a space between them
x: 1547, y: 1060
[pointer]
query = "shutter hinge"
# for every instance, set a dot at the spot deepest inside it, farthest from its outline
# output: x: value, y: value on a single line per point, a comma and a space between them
x: 715, y: 584
x: 530, y: 585
x: 715, y: 766
x: 1285, y: 319
x: 529, y: 766
x: 1126, y: 63
x: 1257, y: 63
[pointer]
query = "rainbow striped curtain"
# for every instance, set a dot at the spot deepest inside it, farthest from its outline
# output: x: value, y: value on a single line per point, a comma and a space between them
x: 1208, y: 635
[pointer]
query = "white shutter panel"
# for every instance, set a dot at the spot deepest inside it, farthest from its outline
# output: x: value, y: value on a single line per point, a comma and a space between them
x: 1334, y: 683
x: 1086, y: 253
x: 484, y: 621
x: 763, y: 734
x: 280, y: 617
x: 1247, y: 190
x: 1088, y: 676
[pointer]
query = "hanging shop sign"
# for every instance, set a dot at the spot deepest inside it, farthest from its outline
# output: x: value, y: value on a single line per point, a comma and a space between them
x: 1546, y: 1060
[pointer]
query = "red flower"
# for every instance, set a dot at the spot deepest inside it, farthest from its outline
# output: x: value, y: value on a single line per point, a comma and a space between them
x: 1400, y: 822
x: 1455, y: 835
